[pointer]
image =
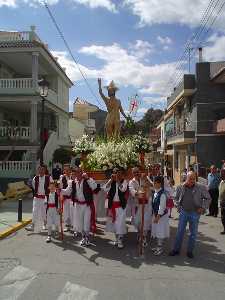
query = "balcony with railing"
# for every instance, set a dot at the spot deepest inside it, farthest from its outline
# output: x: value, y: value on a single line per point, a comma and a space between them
x: 24, y: 86
x: 14, y: 133
x: 18, y: 37
x: 15, y: 169
x: 17, y: 86
x: 185, y: 88
x: 180, y: 137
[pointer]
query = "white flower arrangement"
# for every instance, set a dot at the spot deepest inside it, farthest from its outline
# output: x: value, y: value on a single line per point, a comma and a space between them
x: 141, y: 143
x: 84, y: 145
x: 113, y: 154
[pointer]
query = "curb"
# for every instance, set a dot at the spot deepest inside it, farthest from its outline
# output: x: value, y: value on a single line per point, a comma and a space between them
x: 14, y: 228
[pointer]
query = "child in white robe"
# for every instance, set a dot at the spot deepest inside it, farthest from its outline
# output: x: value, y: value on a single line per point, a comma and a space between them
x: 160, y: 222
x: 52, y: 206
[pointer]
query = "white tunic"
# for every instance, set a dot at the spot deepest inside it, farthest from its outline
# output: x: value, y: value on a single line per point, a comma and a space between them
x: 39, y: 208
x: 82, y: 212
x: 134, y: 186
x: 41, y: 186
x: 61, y: 182
x: 52, y: 214
x: 161, y: 230
x: 119, y: 225
x: 67, y: 215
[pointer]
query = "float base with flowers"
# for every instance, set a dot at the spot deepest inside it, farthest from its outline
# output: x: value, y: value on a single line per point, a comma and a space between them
x: 99, y: 157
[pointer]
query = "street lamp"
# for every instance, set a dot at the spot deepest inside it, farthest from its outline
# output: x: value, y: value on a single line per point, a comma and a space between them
x: 43, y: 88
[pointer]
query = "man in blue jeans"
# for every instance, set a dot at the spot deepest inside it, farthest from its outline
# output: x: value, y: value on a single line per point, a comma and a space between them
x: 192, y: 200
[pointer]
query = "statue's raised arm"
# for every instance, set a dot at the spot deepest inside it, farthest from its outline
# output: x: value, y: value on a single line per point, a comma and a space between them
x: 105, y: 99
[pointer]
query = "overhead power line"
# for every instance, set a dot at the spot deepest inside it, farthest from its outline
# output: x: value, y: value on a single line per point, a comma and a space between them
x: 70, y: 51
x: 207, y: 21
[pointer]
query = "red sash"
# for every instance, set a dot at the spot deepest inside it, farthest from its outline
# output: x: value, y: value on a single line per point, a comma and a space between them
x: 143, y: 201
x: 40, y: 196
x: 112, y: 212
x: 51, y: 205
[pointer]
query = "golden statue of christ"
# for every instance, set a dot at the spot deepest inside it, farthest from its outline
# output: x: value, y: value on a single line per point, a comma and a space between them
x: 114, y: 107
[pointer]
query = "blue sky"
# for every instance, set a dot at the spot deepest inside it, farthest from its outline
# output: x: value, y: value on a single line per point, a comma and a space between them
x: 137, y: 43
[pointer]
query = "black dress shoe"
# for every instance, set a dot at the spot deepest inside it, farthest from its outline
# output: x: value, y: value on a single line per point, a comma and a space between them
x: 190, y: 255
x: 174, y: 253
x: 208, y: 215
x: 223, y: 232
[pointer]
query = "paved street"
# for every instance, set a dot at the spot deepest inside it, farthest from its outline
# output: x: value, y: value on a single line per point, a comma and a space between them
x: 32, y: 269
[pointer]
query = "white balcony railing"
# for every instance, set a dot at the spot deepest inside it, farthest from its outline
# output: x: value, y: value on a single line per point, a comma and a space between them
x: 15, y: 165
x: 15, y: 169
x: 24, y: 36
x: 16, y: 83
x: 19, y: 132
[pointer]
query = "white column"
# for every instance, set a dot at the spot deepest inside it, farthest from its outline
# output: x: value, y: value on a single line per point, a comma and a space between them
x: 33, y: 122
x: 35, y: 64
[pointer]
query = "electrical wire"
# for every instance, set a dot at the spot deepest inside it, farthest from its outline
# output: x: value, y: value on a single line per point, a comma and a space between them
x: 70, y: 51
x: 207, y: 15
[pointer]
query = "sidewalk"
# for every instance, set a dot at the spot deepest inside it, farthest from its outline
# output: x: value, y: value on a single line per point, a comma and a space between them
x: 9, y: 215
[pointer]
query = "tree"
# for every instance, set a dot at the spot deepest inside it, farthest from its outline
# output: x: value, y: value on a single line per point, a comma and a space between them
x: 145, y: 125
x: 149, y: 121
x: 62, y: 155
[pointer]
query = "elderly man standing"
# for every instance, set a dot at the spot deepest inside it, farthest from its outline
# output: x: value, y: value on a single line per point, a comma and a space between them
x: 192, y: 199
x: 213, y: 187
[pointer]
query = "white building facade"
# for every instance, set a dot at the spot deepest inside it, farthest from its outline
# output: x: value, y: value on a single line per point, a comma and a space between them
x: 25, y: 59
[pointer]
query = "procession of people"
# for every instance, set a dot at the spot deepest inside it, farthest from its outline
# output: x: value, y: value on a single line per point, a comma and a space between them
x: 67, y: 205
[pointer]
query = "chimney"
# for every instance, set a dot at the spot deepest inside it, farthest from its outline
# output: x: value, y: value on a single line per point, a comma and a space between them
x: 200, y: 54
x: 33, y: 28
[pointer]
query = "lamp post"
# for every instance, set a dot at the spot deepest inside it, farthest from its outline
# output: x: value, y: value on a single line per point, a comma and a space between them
x: 43, y: 88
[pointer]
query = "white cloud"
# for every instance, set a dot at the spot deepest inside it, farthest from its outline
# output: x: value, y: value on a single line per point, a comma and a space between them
x: 121, y: 66
x: 71, y: 68
x: 157, y: 102
x: 142, y: 110
x: 185, y: 12
x: 215, y: 51
x: 164, y: 40
x: 9, y: 3
x: 107, y: 4
x: 141, y: 49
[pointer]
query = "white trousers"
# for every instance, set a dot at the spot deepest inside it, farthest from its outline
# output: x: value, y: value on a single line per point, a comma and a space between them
x: 119, y: 226
x: 66, y: 211
x: 82, y: 218
x: 131, y: 206
x: 72, y: 215
x: 53, y: 219
x: 162, y: 229
x: 39, y: 211
x: 147, y: 217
